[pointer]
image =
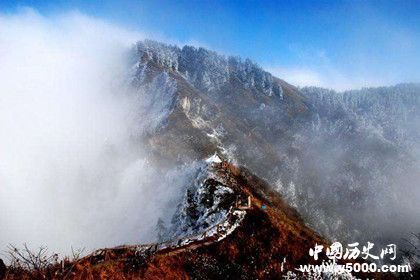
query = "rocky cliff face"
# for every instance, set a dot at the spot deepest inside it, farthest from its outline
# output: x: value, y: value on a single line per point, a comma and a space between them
x: 345, y: 160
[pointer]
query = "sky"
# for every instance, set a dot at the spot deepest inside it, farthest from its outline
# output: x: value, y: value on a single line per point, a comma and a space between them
x: 335, y: 44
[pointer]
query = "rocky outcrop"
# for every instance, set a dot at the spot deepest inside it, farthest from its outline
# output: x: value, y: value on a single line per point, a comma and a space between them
x: 3, y: 270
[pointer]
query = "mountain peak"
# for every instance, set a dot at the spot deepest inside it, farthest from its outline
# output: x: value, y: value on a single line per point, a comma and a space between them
x: 207, y: 70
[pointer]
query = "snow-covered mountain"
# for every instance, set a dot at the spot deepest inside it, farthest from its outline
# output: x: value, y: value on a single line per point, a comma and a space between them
x: 359, y: 157
x: 348, y: 161
x: 207, y: 70
x: 246, y: 166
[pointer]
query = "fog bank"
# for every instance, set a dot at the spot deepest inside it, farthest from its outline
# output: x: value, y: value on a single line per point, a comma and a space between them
x: 70, y: 172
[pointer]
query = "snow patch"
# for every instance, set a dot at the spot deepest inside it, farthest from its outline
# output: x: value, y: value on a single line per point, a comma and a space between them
x: 214, y: 159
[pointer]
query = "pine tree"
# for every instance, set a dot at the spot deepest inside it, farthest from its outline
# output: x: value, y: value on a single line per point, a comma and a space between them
x: 160, y: 230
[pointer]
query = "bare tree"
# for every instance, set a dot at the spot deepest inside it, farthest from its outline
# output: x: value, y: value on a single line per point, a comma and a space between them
x: 31, y: 260
x: 41, y: 264
x: 68, y: 263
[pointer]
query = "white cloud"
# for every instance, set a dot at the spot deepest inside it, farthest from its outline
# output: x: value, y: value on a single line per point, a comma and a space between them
x: 326, y: 77
x: 70, y: 174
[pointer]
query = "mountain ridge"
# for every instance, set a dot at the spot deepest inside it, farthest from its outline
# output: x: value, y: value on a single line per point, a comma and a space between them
x: 307, y: 142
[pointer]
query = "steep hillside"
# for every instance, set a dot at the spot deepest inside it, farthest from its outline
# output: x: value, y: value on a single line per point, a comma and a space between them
x: 360, y: 154
x: 216, y: 103
x: 345, y: 160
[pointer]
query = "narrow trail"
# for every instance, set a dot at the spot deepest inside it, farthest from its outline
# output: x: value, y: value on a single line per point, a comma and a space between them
x: 215, y: 233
